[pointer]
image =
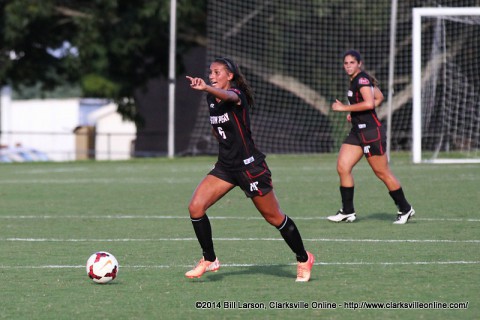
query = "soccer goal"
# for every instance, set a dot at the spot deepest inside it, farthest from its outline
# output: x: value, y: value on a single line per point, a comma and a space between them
x: 446, y: 85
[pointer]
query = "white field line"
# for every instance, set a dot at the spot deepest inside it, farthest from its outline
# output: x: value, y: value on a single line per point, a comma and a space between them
x: 155, y: 217
x: 91, y: 181
x: 239, y: 239
x: 237, y: 265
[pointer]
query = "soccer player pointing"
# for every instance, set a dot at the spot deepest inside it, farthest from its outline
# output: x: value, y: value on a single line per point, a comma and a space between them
x: 367, y: 136
x: 239, y: 163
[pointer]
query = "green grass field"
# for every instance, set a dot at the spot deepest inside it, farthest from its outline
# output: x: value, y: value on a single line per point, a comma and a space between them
x: 53, y: 216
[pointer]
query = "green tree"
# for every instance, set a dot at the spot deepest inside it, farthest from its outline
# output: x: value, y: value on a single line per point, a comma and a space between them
x: 110, y: 48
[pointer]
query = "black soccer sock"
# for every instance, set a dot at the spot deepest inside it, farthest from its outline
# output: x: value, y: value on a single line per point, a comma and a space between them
x: 400, y: 200
x: 347, y: 199
x: 292, y: 237
x: 203, y: 230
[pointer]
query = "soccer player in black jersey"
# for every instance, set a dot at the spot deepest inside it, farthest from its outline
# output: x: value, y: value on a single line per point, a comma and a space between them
x: 239, y: 163
x: 366, y: 137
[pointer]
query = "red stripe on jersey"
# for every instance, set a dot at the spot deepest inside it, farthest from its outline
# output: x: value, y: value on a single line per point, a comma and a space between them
x: 381, y: 147
x: 376, y: 120
x: 241, y: 133
x: 235, y: 90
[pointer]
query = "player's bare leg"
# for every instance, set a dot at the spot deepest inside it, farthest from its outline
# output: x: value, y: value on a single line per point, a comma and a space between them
x: 349, y: 155
x: 270, y: 209
x: 209, y: 191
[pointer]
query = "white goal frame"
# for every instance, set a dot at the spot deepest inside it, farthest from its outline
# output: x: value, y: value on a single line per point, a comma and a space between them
x: 418, y: 13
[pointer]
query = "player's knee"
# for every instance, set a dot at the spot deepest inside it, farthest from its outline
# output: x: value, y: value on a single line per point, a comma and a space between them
x: 343, y: 168
x: 383, y: 174
x: 273, y: 218
x: 196, y: 209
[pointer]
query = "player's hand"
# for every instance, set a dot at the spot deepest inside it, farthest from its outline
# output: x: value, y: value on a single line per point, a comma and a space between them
x: 197, y: 83
x: 338, y: 106
x: 349, y: 117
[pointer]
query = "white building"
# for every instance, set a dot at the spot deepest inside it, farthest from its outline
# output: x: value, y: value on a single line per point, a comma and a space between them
x: 63, y: 129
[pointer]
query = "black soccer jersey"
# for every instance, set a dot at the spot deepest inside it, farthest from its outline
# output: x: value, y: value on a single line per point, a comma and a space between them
x: 231, y: 126
x: 361, y: 119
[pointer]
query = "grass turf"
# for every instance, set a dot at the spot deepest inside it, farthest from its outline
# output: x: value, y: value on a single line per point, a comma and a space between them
x: 54, y: 215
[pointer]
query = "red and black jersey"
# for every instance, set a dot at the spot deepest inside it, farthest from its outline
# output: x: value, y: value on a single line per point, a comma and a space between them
x: 362, y: 119
x: 231, y: 126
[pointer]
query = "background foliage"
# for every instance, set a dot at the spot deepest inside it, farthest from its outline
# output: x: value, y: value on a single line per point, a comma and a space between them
x: 109, y: 48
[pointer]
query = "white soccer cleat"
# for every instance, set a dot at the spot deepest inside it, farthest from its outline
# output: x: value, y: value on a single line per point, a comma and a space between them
x: 402, y: 218
x: 340, y: 216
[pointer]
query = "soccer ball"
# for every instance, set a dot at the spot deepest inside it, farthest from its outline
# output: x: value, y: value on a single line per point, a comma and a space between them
x: 102, y: 267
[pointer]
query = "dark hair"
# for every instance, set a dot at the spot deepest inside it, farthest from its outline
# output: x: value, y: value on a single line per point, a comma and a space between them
x: 238, y: 78
x: 353, y: 53
x: 229, y: 64
x: 356, y: 55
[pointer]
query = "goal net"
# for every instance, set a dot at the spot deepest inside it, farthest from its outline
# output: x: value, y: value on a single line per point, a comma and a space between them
x: 291, y: 53
x: 446, y: 85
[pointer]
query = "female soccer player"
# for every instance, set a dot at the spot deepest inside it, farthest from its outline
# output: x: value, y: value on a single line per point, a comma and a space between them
x: 366, y: 137
x: 239, y: 163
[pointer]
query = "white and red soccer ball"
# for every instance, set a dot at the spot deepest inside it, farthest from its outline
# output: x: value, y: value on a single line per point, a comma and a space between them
x: 102, y: 267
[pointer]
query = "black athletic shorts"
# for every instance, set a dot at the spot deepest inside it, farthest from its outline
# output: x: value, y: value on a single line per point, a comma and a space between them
x: 373, y: 141
x: 254, y: 181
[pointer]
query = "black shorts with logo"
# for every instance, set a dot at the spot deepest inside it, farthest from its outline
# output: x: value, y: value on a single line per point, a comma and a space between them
x: 373, y: 141
x: 254, y: 181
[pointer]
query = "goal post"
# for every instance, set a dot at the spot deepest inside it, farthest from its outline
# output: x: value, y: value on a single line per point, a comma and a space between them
x: 445, y: 82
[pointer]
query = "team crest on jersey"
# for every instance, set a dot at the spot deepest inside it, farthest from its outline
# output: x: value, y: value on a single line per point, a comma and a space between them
x: 363, y: 81
x: 212, y: 105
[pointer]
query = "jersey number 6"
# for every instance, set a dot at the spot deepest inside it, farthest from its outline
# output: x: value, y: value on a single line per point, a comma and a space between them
x: 222, y: 133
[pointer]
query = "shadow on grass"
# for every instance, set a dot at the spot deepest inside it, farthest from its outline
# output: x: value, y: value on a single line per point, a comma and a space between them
x: 383, y: 216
